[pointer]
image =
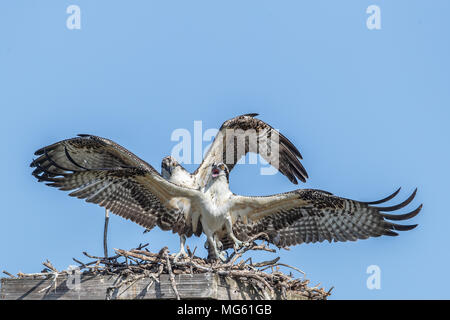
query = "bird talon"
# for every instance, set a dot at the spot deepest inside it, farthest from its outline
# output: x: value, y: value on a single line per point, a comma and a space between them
x: 221, y: 256
x: 177, y: 256
x: 238, y: 244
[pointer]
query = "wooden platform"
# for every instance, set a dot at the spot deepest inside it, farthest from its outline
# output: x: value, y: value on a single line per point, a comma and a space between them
x: 101, y: 287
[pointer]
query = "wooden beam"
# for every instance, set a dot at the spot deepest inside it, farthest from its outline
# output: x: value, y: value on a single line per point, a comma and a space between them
x: 101, y: 287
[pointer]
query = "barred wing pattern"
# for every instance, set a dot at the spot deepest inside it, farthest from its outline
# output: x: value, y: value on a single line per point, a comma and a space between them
x: 285, y: 157
x: 102, y: 172
x: 308, y: 216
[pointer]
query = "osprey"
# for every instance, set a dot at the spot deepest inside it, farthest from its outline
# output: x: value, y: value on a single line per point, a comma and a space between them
x: 290, y: 218
x: 102, y: 172
x: 237, y: 137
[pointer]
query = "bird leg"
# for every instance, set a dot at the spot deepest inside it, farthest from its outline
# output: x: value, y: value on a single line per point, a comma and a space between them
x: 182, y: 252
x: 219, y: 246
x: 237, y: 243
x: 213, y: 245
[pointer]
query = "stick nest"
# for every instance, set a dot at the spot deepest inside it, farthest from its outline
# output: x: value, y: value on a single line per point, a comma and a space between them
x: 138, y: 263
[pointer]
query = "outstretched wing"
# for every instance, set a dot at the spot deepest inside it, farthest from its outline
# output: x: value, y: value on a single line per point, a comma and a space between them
x: 305, y: 216
x: 102, y: 172
x: 243, y: 134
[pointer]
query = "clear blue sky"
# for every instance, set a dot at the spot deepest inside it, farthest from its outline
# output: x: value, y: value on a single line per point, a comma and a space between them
x: 368, y: 109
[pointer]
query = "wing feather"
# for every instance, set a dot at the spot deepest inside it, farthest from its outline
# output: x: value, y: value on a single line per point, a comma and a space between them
x: 308, y: 216
x: 102, y: 172
x: 244, y: 134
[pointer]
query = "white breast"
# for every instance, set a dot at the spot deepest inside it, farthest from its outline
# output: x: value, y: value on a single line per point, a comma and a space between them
x: 216, y: 204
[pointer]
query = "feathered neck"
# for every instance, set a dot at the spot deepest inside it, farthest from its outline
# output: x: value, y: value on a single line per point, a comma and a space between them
x: 218, y: 185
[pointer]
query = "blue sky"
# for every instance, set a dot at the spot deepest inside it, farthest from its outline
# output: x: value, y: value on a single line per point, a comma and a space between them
x: 368, y: 109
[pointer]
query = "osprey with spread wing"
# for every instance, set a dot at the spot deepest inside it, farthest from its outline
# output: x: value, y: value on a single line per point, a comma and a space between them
x: 102, y: 172
x: 236, y: 138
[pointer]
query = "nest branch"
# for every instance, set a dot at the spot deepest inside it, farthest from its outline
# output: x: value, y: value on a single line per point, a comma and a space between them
x: 139, y: 263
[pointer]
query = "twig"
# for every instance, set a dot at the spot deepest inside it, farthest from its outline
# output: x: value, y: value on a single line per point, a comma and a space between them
x: 266, y: 263
x: 147, y: 265
x: 171, y: 276
x: 49, y: 265
x: 288, y: 266
x: 9, y: 274
x: 55, y: 276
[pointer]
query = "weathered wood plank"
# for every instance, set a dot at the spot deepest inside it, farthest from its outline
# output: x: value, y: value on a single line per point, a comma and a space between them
x: 101, y: 287
x: 199, y: 286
